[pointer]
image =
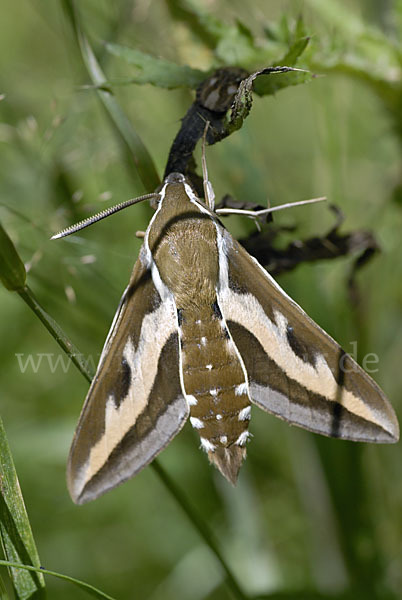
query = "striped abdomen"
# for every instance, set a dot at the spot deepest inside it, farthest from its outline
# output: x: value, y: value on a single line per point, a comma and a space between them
x: 215, y: 384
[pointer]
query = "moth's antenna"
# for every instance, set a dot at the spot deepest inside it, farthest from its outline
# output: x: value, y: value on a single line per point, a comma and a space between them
x: 102, y: 215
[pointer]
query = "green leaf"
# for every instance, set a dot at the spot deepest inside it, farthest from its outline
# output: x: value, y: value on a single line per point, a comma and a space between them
x: 12, y: 269
x: 295, y: 40
x: 158, y: 71
x: 300, y: 29
x: 15, y: 530
x: 284, y: 28
x: 266, y: 85
x: 295, y: 50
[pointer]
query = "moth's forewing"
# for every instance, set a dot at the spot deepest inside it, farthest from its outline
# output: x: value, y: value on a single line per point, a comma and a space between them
x: 135, y: 405
x: 296, y: 370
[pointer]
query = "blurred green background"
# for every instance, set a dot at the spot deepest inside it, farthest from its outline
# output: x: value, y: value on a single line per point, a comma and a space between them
x: 308, y: 514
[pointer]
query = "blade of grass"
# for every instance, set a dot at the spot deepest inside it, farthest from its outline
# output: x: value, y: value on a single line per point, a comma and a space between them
x: 140, y: 156
x: 12, y: 269
x: 307, y: 595
x: 56, y: 331
x: 13, y: 277
x: 3, y: 590
x: 90, y: 589
x: 15, y: 530
x: 201, y: 526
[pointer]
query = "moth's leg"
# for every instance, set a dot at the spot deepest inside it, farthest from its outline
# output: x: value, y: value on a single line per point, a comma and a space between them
x: 140, y: 234
x: 208, y: 189
x: 254, y: 214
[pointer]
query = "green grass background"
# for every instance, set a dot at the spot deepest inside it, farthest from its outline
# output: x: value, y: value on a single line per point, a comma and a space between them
x: 308, y: 513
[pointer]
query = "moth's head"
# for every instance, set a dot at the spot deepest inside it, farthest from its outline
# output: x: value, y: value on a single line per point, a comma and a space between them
x: 175, y: 178
x: 180, y: 179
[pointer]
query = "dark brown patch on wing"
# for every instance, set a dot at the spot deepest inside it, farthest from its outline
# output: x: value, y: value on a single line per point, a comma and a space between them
x: 123, y: 382
x: 304, y: 352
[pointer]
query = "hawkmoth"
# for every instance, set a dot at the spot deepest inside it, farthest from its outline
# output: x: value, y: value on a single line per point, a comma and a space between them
x: 204, y: 332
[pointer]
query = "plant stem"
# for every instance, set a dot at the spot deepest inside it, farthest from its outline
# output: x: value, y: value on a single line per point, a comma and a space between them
x: 201, y: 526
x: 57, y: 333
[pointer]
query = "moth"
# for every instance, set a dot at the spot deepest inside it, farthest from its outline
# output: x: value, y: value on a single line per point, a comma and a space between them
x: 203, y: 332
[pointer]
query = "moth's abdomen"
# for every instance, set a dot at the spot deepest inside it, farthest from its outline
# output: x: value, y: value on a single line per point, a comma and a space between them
x: 216, y: 387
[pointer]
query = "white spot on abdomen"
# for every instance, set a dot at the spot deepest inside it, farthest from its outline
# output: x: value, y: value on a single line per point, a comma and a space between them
x: 241, y: 389
x: 242, y: 439
x: 207, y: 445
x: 196, y: 423
x: 244, y: 414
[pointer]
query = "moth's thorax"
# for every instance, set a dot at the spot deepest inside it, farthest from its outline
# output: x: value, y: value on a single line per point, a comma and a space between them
x: 183, y: 243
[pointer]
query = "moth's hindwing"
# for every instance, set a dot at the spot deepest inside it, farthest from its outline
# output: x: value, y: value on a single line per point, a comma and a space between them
x: 135, y: 404
x: 295, y: 370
